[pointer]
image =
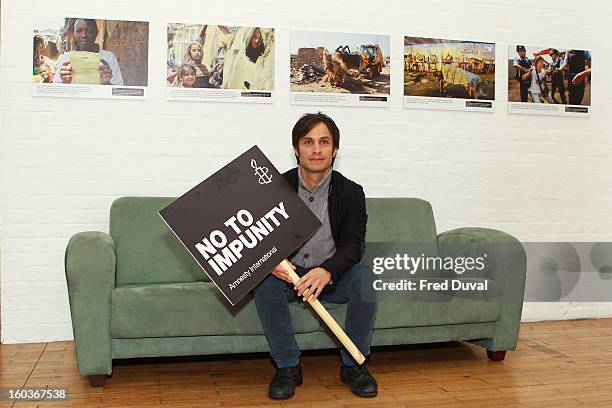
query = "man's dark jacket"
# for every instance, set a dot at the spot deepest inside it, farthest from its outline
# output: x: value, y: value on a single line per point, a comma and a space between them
x: 347, y: 218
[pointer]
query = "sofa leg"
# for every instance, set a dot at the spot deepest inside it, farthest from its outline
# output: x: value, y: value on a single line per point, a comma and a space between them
x: 496, y: 355
x: 97, y: 380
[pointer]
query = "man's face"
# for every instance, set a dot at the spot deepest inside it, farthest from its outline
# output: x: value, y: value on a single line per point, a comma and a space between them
x: 522, y: 53
x: 316, y: 149
x: 83, y: 35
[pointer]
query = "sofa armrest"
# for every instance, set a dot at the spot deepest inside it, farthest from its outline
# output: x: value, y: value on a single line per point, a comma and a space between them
x: 505, y: 263
x: 90, y: 273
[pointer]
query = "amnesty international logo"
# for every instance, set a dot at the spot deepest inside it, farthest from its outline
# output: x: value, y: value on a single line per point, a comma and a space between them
x: 264, y: 175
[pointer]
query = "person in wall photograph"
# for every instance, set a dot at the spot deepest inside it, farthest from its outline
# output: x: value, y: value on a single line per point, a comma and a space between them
x: 85, y: 33
x: 226, y: 57
x: 92, y: 52
x: 566, y: 80
x: 537, y: 77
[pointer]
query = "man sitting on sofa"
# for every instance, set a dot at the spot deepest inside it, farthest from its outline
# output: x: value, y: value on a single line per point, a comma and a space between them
x: 328, y: 263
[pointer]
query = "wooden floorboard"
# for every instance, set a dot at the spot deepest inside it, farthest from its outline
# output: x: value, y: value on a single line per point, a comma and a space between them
x: 557, y: 364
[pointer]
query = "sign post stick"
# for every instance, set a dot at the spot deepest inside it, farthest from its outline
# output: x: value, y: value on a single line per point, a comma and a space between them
x: 327, y: 318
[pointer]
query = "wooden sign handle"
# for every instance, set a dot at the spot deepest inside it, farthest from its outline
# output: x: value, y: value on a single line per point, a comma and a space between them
x: 327, y: 318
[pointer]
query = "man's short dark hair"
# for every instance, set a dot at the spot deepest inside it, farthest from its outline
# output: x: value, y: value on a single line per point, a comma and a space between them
x: 309, y: 121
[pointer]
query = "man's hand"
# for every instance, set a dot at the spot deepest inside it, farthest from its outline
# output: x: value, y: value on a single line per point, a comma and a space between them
x: 66, y: 72
x: 281, y: 274
x: 312, y: 283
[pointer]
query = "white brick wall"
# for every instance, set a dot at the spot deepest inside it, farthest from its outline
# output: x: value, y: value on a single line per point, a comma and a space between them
x: 64, y: 161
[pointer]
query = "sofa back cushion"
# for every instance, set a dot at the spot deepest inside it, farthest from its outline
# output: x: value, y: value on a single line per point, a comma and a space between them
x: 399, y: 226
x: 401, y: 219
x: 147, y: 250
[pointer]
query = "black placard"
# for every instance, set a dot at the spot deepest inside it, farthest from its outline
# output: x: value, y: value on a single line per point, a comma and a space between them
x: 241, y: 222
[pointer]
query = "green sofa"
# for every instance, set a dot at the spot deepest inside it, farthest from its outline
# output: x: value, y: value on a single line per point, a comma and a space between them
x: 137, y: 292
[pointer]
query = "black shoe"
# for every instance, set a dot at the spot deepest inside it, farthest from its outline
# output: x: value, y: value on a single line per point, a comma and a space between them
x: 284, y: 382
x: 360, y: 380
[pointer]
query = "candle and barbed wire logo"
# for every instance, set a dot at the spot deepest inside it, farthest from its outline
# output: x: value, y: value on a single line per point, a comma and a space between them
x: 264, y: 174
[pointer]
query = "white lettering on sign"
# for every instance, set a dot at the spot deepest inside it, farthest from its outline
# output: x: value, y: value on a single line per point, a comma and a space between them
x: 221, y: 255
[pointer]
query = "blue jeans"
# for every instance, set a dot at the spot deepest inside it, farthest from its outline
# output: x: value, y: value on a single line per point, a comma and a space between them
x: 272, y: 297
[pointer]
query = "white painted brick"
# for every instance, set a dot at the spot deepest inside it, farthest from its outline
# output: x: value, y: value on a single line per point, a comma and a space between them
x: 538, y: 178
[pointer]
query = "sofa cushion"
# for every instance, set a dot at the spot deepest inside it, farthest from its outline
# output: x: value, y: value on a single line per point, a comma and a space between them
x: 406, y: 223
x: 189, y: 309
x: 147, y: 250
x: 401, y: 220
x: 398, y: 309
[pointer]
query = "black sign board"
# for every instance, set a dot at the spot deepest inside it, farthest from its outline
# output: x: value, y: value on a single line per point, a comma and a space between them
x: 241, y: 222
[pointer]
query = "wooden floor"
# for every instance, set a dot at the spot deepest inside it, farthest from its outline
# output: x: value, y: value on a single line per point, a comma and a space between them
x: 556, y: 364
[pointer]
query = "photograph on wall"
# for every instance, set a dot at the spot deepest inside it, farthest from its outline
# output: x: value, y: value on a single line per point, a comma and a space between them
x: 449, y: 74
x: 90, y: 58
x: 220, y: 63
x: 341, y: 69
x: 549, y: 81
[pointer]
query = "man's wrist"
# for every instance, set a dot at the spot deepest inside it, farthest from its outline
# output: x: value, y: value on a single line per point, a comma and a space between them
x: 330, y: 275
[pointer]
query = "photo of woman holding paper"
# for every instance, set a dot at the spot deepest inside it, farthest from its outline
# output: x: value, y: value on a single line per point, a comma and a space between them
x: 88, y: 51
x: 88, y: 64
